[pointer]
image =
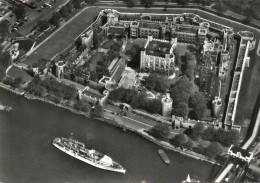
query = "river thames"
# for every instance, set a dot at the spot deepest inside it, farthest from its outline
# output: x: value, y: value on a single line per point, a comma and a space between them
x: 27, y: 154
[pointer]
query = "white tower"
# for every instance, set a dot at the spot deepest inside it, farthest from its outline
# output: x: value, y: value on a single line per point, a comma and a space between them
x: 60, y: 69
x: 216, y: 105
x: 104, y: 98
x: 167, y: 105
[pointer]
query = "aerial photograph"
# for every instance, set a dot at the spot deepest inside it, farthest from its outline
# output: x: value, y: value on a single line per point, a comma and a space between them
x: 129, y: 91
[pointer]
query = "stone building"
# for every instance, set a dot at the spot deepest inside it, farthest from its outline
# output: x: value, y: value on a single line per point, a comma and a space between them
x: 157, y: 56
x: 166, y: 106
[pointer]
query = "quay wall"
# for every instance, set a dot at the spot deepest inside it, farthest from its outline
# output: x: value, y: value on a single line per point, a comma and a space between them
x: 140, y: 132
x: 8, y: 88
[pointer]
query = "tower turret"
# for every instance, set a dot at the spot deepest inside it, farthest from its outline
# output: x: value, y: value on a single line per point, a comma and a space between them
x: 166, y: 105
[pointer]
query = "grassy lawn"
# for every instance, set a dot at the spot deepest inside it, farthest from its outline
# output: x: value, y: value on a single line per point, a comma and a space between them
x: 15, y: 73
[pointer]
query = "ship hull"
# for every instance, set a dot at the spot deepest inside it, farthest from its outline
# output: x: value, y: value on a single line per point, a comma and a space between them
x: 75, y: 155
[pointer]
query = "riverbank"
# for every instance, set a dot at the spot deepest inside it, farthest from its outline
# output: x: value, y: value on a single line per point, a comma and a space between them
x: 120, y: 123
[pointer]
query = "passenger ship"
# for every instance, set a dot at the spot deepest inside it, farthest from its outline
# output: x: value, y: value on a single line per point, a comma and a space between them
x: 78, y: 150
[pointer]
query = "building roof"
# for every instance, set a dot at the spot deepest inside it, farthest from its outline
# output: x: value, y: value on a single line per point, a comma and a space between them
x: 92, y: 93
x: 158, y: 48
x: 118, y: 71
x: 236, y: 149
x: 149, y: 25
x: 186, y: 30
x: 116, y: 30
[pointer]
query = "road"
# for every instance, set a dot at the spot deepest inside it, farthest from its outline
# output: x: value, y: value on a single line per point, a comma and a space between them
x: 34, y: 16
x: 132, y: 120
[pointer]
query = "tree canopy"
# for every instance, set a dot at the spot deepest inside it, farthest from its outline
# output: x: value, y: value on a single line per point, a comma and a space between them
x: 96, y: 111
x: 136, y: 100
x: 182, y: 90
x: 160, y: 131
x: 129, y: 3
x: 190, y: 64
x: 179, y: 140
x: 19, y: 12
x: 4, y: 25
x: 147, y: 3
x: 43, y: 25
x: 213, y: 150
x: 196, y: 131
x: 181, y: 110
x: 55, y: 19
x: 155, y: 82
x: 64, y: 11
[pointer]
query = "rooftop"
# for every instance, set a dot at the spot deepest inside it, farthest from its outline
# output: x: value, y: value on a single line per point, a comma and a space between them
x: 186, y: 30
x: 149, y: 25
x: 116, y: 30
x: 158, y: 48
x: 236, y: 149
x: 118, y: 71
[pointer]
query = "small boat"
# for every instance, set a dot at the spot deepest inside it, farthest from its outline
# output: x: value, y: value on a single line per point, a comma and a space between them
x: 164, y: 156
x: 8, y: 108
x: 5, y: 108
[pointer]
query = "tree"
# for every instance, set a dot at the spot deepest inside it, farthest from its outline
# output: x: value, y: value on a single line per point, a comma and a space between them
x: 209, y: 134
x: 182, y: 90
x: 134, y: 54
x: 91, y: 1
x: 4, y: 26
x: 153, y: 106
x: 2, y: 74
x: 181, y: 110
x: 76, y: 4
x: 248, y: 19
x: 155, y: 82
x: 147, y: 3
x: 160, y: 131
x: 129, y: 3
x: 35, y: 89
x: 43, y: 25
x: 97, y: 111
x: 82, y: 106
x: 64, y: 11
x: 197, y: 99
x: 213, y: 149
x: 19, y: 12
x: 5, y: 59
x: 178, y: 140
x: 190, y: 65
x: 8, y: 81
x: 55, y: 19
x: 182, y: 2
x: 69, y: 7
x: 16, y: 82
x: 199, y: 112
x: 188, y: 144
x: 196, y: 131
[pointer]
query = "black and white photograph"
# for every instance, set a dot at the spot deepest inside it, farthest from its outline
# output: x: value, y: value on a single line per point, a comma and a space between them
x: 129, y: 91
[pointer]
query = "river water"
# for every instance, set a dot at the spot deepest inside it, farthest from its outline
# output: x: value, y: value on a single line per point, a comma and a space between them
x: 27, y: 154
